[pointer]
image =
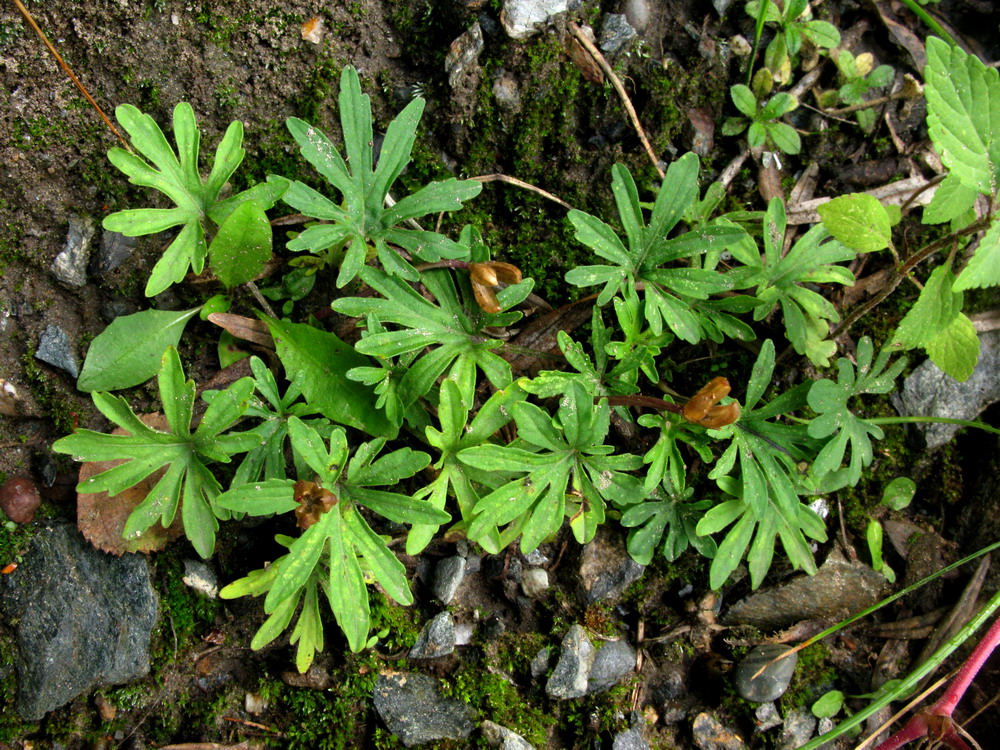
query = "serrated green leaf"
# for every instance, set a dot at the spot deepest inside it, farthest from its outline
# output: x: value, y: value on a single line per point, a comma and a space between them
x: 955, y: 348
x: 963, y: 114
x: 859, y: 221
x: 984, y: 268
x: 951, y: 199
x: 128, y: 351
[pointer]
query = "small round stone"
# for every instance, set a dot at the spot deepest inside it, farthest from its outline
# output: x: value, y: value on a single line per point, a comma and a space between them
x: 19, y: 499
x: 772, y: 683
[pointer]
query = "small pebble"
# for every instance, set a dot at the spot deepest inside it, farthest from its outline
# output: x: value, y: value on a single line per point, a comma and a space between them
x: 534, y: 582
x: 19, y: 499
x: 54, y: 349
x: 772, y: 683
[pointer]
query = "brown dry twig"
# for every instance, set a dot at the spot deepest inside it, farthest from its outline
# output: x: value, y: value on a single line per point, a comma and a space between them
x: 620, y: 88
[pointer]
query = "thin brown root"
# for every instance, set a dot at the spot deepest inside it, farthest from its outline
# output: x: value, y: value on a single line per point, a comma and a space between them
x: 616, y: 81
x: 72, y: 76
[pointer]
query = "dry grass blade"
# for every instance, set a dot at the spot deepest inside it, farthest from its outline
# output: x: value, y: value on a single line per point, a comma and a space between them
x: 497, y: 177
x: 620, y: 88
x: 72, y: 76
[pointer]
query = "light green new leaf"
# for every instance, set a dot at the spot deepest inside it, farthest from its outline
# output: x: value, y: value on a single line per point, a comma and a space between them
x: 937, y: 324
x: 859, y: 221
x: 951, y: 199
x: 963, y: 114
x: 128, y: 351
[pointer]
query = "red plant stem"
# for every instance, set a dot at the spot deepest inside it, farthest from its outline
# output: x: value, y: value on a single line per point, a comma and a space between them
x: 953, y: 694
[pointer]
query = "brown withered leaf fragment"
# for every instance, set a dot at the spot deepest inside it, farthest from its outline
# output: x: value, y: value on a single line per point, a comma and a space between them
x: 697, y: 408
x: 248, y: 329
x: 583, y: 59
x: 101, y: 517
x: 313, y: 502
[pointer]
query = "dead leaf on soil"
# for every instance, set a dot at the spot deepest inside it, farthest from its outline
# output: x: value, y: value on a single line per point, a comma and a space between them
x: 101, y: 518
x: 248, y: 329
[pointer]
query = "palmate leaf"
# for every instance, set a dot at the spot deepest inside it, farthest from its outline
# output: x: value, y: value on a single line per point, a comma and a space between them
x: 334, y: 552
x: 767, y: 485
x: 188, y: 483
x: 783, y: 280
x: 176, y: 175
x: 453, y: 328
x: 562, y: 453
x: 835, y: 420
x: 363, y: 221
x: 671, y: 293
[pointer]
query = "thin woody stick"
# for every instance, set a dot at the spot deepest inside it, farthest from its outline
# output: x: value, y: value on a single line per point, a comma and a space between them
x: 72, y: 76
x: 616, y: 81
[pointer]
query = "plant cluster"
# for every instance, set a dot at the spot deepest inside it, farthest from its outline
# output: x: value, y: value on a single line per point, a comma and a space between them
x: 423, y: 424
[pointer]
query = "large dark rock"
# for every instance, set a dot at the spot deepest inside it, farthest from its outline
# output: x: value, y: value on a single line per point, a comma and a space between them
x: 81, y: 618
x: 412, y: 707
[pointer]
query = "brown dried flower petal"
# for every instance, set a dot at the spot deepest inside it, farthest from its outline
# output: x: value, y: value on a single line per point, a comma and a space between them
x: 702, y: 402
x: 720, y: 416
x: 486, y: 276
x: 313, y: 502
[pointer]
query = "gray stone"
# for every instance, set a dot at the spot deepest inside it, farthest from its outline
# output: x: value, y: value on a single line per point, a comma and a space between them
x: 463, y: 54
x: 612, y: 662
x: 201, y: 578
x: 576, y: 656
x: 115, y: 249
x: 521, y: 18
x: 616, y: 33
x: 504, y: 738
x: 630, y: 739
x: 506, y: 92
x: 838, y: 590
x: 448, y: 575
x: 534, y: 582
x: 770, y: 684
x: 710, y: 734
x: 83, y: 618
x: 928, y: 392
x: 54, y: 349
x: 413, y: 709
x: 637, y: 13
x: 721, y: 6
x: 800, y: 725
x: 606, y: 569
x: 70, y: 266
x: 537, y: 558
x: 540, y: 663
x: 766, y: 717
x: 437, y: 638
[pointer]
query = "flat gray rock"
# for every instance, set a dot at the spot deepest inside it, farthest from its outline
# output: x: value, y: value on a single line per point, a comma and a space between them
x: 412, y: 707
x: 504, y: 738
x: 630, y: 739
x: 114, y: 250
x: 463, y: 54
x: 576, y: 656
x: 448, y: 575
x: 70, y: 266
x: 606, y: 569
x: 83, y: 619
x: 613, y: 661
x: 928, y: 392
x: 437, y: 638
x: 522, y: 18
x: 616, y: 32
x: 800, y: 725
x: 709, y: 734
x: 839, y: 589
x: 54, y: 349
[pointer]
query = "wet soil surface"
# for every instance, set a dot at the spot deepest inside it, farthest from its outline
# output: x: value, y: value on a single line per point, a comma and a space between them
x: 525, y: 109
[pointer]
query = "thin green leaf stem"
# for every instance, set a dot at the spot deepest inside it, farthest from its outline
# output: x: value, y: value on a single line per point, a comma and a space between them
x: 930, y: 22
x: 936, y: 420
